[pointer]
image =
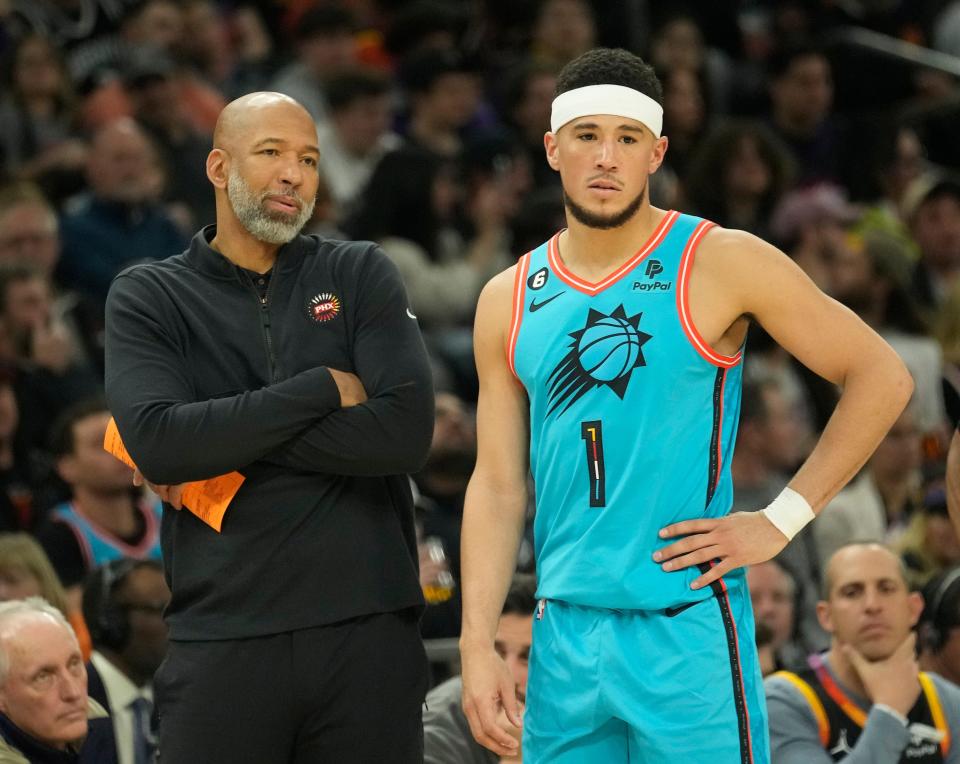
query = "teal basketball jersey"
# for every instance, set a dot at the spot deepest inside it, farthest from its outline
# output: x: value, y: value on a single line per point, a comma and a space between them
x: 633, y: 419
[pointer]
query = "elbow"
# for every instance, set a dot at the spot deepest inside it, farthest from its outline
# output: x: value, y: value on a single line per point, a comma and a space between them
x: 413, y: 450
x: 903, y: 386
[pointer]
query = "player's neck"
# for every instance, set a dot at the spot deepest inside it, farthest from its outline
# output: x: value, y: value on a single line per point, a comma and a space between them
x: 593, y: 253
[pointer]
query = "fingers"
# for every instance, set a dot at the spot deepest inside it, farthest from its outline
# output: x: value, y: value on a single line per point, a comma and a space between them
x: 174, y: 493
x: 511, y: 705
x: 697, y: 557
x: 714, y: 574
x: 137, y: 477
x: 688, y: 526
x: 687, y: 545
x: 483, y: 724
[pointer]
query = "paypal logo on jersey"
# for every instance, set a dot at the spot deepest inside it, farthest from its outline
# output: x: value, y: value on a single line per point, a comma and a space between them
x: 654, y: 268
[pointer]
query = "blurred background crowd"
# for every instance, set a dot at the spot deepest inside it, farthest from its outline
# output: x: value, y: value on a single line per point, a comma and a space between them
x: 827, y: 127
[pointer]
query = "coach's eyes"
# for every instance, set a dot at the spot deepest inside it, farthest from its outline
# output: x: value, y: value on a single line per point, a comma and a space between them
x: 586, y: 137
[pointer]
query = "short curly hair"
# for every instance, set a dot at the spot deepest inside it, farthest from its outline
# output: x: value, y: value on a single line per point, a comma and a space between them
x: 610, y: 66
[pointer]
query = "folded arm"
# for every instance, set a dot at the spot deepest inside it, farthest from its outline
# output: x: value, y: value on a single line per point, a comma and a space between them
x: 390, y: 432
x: 172, y: 438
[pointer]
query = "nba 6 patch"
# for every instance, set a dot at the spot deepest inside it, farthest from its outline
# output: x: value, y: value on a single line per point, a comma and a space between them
x: 324, y: 307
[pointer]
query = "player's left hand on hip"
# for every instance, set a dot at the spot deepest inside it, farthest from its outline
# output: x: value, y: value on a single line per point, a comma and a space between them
x: 743, y: 538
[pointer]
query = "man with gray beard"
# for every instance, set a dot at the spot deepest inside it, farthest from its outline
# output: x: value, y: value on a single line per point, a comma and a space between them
x: 297, y: 362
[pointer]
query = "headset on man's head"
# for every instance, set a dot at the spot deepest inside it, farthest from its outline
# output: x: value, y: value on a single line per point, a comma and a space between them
x: 934, y: 623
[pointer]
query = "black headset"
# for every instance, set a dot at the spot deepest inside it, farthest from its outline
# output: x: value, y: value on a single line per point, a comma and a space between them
x: 933, y: 631
x: 107, y: 622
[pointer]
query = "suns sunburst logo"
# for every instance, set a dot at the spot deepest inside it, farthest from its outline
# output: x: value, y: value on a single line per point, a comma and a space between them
x: 604, y: 352
x: 324, y: 307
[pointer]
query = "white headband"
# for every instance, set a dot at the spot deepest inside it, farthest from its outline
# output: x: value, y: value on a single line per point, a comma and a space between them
x: 607, y: 99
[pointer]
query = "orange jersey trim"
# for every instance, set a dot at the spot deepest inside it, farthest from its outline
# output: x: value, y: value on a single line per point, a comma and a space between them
x: 683, y: 303
x: 516, y: 317
x: 581, y: 285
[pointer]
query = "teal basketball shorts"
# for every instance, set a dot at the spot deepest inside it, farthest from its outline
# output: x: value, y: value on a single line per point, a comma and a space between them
x: 658, y: 687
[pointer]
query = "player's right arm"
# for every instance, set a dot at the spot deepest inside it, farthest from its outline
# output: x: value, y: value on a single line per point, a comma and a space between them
x: 493, y: 519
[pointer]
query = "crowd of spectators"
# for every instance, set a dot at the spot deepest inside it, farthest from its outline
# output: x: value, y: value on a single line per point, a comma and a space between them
x: 430, y: 115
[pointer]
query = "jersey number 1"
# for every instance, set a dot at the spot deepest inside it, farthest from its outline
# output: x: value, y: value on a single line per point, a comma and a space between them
x: 592, y: 434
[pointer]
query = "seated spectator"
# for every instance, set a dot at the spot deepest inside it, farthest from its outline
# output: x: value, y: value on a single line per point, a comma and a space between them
x: 442, y: 483
x: 46, y: 716
x: 105, y: 518
x: 121, y: 220
x: 25, y: 571
x: 410, y: 209
x: 146, y: 27
x: 737, y: 176
x: 37, y: 117
x: 878, y: 504
x: 930, y: 545
x: 939, y: 628
x: 932, y: 210
x: 865, y: 699
x: 528, y: 98
x: 356, y: 134
x: 29, y: 229
x: 228, y: 48
x: 801, y: 97
x: 898, y: 159
x: 30, y: 236
x: 443, y: 94
x: 123, y: 601
x: 52, y: 370
x: 869, y: 273
x: 325, y: 47
x: 159, y: 108
x: 446, y: 732
x: 811, y: 224
x: 776, y: 601
x: 562, y: 30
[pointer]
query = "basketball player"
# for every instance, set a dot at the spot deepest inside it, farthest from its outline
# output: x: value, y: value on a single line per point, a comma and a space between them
x: 613, y: 353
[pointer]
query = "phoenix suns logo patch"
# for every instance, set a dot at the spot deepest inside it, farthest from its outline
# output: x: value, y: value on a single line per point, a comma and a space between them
x: 324, y: 307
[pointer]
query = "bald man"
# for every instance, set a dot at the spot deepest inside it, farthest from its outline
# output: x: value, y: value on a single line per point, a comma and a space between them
x: 297, y: 361
x: 865, y: 700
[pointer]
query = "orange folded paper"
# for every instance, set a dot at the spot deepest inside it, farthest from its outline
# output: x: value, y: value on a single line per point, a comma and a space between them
x: 207, y: 499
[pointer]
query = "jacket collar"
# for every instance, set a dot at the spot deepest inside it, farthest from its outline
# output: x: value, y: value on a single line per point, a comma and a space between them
x: 207, y: 260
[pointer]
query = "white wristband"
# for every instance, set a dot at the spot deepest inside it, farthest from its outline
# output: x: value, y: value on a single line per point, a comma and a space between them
x: 789, y: 512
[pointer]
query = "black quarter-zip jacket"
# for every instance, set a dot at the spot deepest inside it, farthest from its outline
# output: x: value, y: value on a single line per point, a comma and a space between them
x: 203, y: 376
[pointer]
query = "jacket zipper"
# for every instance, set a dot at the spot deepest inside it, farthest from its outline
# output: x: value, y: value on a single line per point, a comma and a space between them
x: 265, y: 323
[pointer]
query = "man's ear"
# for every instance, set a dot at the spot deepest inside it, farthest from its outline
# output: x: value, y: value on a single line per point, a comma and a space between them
x: 915, y: 606
x: 218, y: 168
x: 66, y: 467
x: 825, y: 616
x: 659, y: 152
x: 551, y: 147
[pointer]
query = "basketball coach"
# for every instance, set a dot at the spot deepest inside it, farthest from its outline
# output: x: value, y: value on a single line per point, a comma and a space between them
x: 297, y: 362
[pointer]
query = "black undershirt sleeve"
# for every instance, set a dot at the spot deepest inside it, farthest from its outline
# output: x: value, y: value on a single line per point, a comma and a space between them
x: 171, y: 438
x: 390, y: 433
